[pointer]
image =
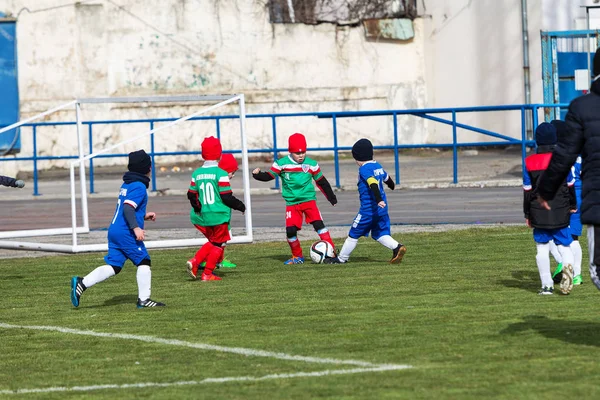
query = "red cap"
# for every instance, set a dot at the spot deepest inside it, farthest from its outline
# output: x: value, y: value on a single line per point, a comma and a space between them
x: 297, y: 143
x: 228, y: 163
x: 211, y: 148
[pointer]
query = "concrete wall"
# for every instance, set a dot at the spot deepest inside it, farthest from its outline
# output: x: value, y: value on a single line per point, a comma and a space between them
x: 178, y: 47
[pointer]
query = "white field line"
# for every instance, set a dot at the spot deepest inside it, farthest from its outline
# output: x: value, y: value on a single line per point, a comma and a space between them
x: 204, y: 346
x: 209, y: 380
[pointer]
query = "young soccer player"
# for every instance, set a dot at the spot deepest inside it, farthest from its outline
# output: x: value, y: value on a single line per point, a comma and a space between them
x: 126, y: 234
x: 372, y: 217
x: 212, y: 200
x: 297, y: 172
x: 229, y: 164
x: 550, y: 224
x: 11, y: 182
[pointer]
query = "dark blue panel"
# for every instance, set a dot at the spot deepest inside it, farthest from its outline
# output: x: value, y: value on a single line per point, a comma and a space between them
x: 9, y: 98
x: 569, y: 62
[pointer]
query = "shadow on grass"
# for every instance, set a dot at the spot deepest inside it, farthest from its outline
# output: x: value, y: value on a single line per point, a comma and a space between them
x: 528, y: 280
x: 576, y: 332
x: 121, y: 299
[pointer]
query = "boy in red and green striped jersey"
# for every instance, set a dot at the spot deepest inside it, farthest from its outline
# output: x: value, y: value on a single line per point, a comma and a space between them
x: 297, y: 173
x: 212, y: 200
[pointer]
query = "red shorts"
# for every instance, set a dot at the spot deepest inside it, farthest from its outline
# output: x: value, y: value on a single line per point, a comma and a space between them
x: 293, y: 214
x: 217, y: 233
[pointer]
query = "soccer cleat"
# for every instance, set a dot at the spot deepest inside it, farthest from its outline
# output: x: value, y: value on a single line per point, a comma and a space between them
x: 333, y: 260
x: 193, y: 272
x: 295, y: 260
x: 546, y: 291
x: 209, y: 277
x: 77, y: 288
x: 149, y: 303
x: 566, y: 283
x: 398, y: 254
x: 223, y: 264
x: 557, y: 275
x: 577, y: 280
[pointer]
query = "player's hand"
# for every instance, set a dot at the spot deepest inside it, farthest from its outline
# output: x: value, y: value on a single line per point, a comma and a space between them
x: 197, y: 210
x: 543, y: 203
x: 333, y: 201
x: 139, y: 233
x: 381, y: 204
x: 19, y: 184
x: 527, y: 222
x: 255, y: 171
x: 150, y: 216
x: 573, y: 211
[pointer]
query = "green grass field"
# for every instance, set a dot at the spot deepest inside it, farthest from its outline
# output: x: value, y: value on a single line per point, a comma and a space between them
x: 462, y: 310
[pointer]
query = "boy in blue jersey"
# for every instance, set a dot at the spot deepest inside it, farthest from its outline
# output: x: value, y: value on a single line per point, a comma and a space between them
x: 126, y: 234
x: 372, y: 218
x: 550, y: 224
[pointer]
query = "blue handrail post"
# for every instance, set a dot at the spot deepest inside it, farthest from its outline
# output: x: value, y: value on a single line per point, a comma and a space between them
x: 454, y: 148
x: 91, y: 149
x: 153, y: 167
x: 218, y: 122
x: 336, y: 160
x: 524, y: 137
x: 35, y: 168
x: 274, y: 129
x: 396, y: 155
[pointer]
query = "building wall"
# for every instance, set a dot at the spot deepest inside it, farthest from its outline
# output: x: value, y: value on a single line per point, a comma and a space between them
x: 179, y: 47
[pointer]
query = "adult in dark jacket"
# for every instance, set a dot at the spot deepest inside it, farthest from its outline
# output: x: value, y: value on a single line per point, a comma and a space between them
x: 11, y: 182
x: 583, y: 137
x: 549, y: 225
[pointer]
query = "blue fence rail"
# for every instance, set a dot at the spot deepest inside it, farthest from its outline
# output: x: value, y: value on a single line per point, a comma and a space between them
x: 455, y: 145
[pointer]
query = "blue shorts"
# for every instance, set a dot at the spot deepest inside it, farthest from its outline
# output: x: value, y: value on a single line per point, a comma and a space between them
x: 377, y: 225
x: 575, y: 224
x: 117, y: 256
x: 560, y: 236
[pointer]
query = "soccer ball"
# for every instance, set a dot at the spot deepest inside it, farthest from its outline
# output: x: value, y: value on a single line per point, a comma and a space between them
x: 320, y: 250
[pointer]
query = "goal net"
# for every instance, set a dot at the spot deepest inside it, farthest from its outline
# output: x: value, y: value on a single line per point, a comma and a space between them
x: 79, y: 226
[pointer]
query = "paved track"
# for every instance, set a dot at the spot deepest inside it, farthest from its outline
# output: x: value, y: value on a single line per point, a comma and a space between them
x: 412, y: 206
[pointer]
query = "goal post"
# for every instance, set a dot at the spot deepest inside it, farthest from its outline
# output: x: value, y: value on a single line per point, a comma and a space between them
x: 74, y: 230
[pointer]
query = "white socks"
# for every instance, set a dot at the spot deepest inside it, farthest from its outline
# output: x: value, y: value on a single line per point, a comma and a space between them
x: 577, y: 257
x: 347, y: 249
x: 555, y: 252
x: 388, y: 242
x: 98, y: 275
x: 144, y: 276
x: 542, y: 259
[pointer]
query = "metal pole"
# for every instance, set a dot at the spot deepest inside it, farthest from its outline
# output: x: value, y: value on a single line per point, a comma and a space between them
x: 526, y: 75
x: 84, y: 203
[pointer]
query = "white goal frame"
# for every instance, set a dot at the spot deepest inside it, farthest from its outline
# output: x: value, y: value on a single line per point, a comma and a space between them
x: 75, y: 247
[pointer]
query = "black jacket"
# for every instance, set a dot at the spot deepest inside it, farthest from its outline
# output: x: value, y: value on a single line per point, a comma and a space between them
x: 583, y: 137
x: 559, y: 215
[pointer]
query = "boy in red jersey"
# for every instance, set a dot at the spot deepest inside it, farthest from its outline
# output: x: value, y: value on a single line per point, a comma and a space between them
x: 212, y: 200
x: 297, y: 173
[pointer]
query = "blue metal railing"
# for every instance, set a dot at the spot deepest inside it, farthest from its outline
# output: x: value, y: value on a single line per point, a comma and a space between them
x: 455, y: 145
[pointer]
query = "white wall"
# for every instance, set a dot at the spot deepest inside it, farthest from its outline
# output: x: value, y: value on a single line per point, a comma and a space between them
x: 169, y: 47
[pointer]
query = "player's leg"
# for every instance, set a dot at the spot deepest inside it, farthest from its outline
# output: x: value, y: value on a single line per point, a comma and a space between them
x: 542, y: 259
x: 594, y: 252
x: 381, y: 233
x: 140, y: 257
x: 313, y: 216
x: 219, y: 237
x: 360, y: 227
x: 557, y: 274
x: 114, y: 262
x: 293, y: 223
x: 563, y: 240
x: 576, y: 229
x: 200, y: 256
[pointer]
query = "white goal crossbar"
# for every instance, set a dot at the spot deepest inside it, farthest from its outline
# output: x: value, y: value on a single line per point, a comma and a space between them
x: 74, y: 247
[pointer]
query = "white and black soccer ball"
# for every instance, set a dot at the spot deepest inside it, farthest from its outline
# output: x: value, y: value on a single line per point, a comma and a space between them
x: 320, y: 250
